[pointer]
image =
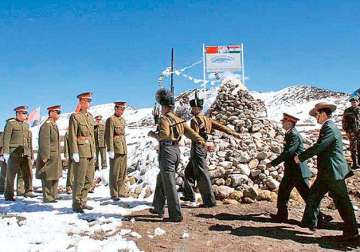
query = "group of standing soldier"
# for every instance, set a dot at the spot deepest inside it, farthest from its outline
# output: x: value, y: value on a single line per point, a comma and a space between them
x: 83, y: 142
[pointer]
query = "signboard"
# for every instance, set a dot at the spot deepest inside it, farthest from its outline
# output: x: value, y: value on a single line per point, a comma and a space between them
x: 223, y: 58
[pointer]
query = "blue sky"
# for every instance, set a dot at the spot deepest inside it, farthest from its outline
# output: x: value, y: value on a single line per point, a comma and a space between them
x: 52, y: 50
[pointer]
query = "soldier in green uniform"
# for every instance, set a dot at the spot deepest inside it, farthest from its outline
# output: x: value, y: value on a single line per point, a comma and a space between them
x: 21, y: 177
x: 100, y: 142
x: 70, y: 170
x: 83, y: 152
x: 48, y: 165
x: 2, y: 164
x: 332, y: 171
x: 117, y: 150
x: 351, y: 125
x: 170, y: 130
x: 17, y: 152
x: 197, y: 170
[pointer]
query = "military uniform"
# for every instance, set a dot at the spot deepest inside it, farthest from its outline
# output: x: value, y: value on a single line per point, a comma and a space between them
x: 170, y: 130
x: 351, y: 125
x: 49, y: 168
x: 100, y: 144
x: 82, y: 147
x: 2, y: 165
x: 69, y: 164
x: 21, y: 177
x: 332, y: 171
x: 18, y: 149
x: 197, y: 170
x: 294, y: 175
x: 116, y: 144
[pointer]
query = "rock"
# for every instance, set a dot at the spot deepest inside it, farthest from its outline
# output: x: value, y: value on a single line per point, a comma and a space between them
x: 244, y: 169
x: 272, y: 184
x: 250, y: 193
x: 264, y: 195
x: 148, y: 192
x: 248, y: 200
x: 226, y: 164
x: 238, y: 179
x: 261, y: 155
x: 132, y: 180
x: 217, y: 173
x: 220, y: 182
x: 276, y: 149
x: 236, y: 195
x: 230, y: 202
x: 222, y: 192
x: 253, y: 164
x: 255, y: 173
x: 243, y: 157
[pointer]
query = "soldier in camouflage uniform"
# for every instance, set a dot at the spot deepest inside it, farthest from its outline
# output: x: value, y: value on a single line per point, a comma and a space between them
x: 170, y: 129
x: 351, y: 125
x: 2, y: 164
x: 196, y: 170
x: 100, y: 142
x: 83, y: 152
x: 70, y: 170
x: 117, y: 151
x: 17, y: 152
x: 48, y: 165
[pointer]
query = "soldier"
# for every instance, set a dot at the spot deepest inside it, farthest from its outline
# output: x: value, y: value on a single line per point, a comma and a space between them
x: 332, y: 171
x: 117, y: 150
x: 70, y: 170
x: 197, y: 169
x: 170, y: 130
x: 17, y: 152
x: 48, y: 165
x: 21, y: 177
x: 351, y: 125
x: 2, y: 164
x: 100, y: 142
x: 82, y: 149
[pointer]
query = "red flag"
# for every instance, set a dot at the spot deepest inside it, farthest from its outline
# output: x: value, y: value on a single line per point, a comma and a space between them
x: 34, y: 117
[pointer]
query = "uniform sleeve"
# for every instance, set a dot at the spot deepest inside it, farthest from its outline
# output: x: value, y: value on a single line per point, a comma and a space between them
x: 66, y: 146
x: 222, y: 128
x: 327, y: 137
x: 44, y: 141
x: 189, y: 133
x: 164, y: 129
x: 345, y: 122
x: 1, y: 144
x: 194, y: 126
x: 7, y: 136
x: 31, y: 145
x: 109, y: 134
x: 73, y: 128
x: 289, y: 150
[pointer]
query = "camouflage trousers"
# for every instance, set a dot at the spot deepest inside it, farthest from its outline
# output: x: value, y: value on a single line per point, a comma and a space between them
x: 355, y: 148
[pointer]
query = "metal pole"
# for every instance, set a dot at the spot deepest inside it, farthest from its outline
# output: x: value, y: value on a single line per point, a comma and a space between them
x: 172, y: 72
x: 204, y: 71
x: 243, y: 64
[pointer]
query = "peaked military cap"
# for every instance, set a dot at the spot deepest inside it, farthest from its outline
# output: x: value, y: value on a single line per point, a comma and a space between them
x: 54, y: 108
x: 354, y: 98
x: 288, y: 117
x: 120, y: 104
x: 98, y: 117
x: 164, y: 97
x: 86, y: 95
x: 322, y: 105
x: 21, y: 108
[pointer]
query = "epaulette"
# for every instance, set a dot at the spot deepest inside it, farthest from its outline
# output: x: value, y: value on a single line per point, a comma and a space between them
x: 11, y: 119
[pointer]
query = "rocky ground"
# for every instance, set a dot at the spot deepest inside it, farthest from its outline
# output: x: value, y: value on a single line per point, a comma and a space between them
x: 232, y: 226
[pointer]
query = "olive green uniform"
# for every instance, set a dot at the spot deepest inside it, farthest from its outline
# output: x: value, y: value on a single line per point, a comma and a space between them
x: 197, y: 170
x: 2, y: 165
x: 332, y: 171
x: 69, y: 163
x: 116, y: 142
x: 17, y: 143
x: 81, y: 141
x: 170, y: 130
x: 100, y: 145
x: 28, y: 175
x: 48, y: 167
x: 351, y: 125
